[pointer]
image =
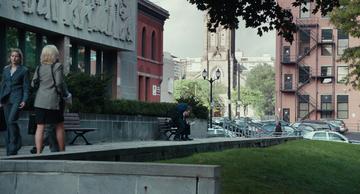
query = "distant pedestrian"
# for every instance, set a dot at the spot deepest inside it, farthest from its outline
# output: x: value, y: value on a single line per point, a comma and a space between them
x: 278, y: 130
x: 14, y: 92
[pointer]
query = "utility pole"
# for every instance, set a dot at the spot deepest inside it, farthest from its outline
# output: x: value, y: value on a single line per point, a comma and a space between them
x: 238, y: 88
x: 229, y: 83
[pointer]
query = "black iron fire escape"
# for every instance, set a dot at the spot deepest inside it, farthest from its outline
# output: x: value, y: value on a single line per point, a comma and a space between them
x: 310, y: 28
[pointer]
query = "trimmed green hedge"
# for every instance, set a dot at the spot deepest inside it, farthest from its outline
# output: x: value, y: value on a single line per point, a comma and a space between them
x: 132, y: 107
x: 90, y: 95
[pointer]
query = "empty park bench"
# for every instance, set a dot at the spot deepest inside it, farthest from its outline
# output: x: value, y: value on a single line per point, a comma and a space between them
x: 72, y: 124
x: 166, y: 128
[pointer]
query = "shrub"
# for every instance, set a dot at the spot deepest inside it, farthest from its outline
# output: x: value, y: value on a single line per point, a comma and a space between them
x: 90, y: 95
x: 132, y: 107
x: 89, y: 92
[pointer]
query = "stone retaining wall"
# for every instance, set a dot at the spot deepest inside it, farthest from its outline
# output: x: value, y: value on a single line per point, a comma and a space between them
x: 112, y: 128
x: 83, y: 177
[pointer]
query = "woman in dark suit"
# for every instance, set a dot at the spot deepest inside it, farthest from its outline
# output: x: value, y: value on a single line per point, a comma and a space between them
x: 14, y: 92
x: 48, y: 97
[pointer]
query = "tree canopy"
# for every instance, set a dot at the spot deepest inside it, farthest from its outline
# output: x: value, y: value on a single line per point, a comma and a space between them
x: 248, y: 97
x: 198, y: 89
x: 346, y: 18
x: 264, y: 15
x: 262, y: 78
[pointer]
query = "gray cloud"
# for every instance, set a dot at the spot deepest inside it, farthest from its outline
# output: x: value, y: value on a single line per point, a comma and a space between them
x: 184, y: 32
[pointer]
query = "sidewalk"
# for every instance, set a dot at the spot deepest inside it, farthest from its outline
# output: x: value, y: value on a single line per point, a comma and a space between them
x: 25, y: 150
x: 146, y: 150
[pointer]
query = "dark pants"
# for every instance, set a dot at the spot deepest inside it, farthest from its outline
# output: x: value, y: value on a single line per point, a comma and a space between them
x: 183, y: 127
x: 12, y: 137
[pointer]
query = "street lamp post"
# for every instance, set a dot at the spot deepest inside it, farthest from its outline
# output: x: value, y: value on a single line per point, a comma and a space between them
x: 211, y: 80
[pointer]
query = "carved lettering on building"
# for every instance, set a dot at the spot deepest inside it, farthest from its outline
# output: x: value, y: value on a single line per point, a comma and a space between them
x: 109, y: 17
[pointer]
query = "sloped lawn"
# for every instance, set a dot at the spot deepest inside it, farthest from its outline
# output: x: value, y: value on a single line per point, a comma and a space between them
x: 294, y: 167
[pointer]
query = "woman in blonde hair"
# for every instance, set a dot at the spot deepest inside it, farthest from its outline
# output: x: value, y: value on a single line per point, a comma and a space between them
x: 14, y: 92
x: 48, y: 110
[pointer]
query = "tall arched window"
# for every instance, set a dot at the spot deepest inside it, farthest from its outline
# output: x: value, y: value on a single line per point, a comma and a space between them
x: 153, y: 46
x: 143, y: 42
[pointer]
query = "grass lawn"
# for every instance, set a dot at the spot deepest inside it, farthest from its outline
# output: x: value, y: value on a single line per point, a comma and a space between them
x: 294, y: 167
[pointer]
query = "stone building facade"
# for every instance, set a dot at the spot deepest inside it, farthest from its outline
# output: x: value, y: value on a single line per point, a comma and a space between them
x: 102, y: 33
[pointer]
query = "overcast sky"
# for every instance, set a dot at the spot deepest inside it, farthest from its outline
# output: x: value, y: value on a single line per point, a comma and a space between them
x: 184, y: 32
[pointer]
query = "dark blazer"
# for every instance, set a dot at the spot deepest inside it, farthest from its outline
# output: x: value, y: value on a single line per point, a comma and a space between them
x: 15, y: 87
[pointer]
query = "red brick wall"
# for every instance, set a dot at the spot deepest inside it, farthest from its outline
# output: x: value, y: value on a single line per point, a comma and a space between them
x: 147, y: 67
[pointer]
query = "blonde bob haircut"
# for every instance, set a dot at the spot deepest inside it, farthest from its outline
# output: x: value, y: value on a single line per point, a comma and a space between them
x: 49, y: 55
x: 18, y: 51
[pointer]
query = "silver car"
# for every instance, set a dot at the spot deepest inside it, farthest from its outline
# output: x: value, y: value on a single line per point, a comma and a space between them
x: 326, y: 136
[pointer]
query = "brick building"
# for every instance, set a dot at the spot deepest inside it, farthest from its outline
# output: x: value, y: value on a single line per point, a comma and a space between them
x: 150, y: 27
x: 309, y: 77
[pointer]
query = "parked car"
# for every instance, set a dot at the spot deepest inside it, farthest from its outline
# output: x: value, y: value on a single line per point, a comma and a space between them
x: 286, y: 130
x: 326, y: 136
x: 283, y: 123
x: 340, y: 124
x: 218, y: 131
x: 317, y: 125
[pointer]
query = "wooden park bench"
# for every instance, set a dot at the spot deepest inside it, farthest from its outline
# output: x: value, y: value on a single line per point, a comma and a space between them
x: 72, y: 124
x: 167, y: 130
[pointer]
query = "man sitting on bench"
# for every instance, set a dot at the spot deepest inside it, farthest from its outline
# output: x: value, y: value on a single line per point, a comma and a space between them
x: 183, y: 127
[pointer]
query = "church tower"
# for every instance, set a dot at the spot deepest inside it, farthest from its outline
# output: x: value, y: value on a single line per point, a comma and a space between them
x: 219, y: 53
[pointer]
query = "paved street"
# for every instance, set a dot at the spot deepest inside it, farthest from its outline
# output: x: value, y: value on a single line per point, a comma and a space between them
x: 353, y: 136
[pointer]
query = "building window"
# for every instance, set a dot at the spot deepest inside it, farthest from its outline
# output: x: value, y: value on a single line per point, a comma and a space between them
x: 30, y: 50
x: 81, y: 58
x: 342, y: 72
x: 212, y: 39
x: 326, y: 71
x: 326, y: 106
x: 304, y: 44
x: 326, y: 50
x: 326, y: 35
x: 286, y: 54
x: 342, y: 106
x: 303, y: 106
x: 304, y: 74
x: 303, y: 13
x: 93, y: 60
x: 223, y: 38
x: 143, y: 42
x: 153, y: 46
x: 343, y: 42
x: 12, y: 38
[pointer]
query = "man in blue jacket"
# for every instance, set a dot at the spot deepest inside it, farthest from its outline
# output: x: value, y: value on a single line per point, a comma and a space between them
x: 182, y: 112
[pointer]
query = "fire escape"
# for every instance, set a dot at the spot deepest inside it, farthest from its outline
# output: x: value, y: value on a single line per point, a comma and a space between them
x: 308, y: 30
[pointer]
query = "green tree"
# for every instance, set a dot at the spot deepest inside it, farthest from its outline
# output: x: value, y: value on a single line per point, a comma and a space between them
x: 346, y: 18
x: 198, y: 89
x: 264, y: 15
x: 248, y: 97
x: 262, y: 78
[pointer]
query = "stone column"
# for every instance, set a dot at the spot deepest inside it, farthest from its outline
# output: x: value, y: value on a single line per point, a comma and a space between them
x: 63, y: 46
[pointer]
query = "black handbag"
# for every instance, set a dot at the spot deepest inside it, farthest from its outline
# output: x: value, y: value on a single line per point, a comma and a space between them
x: 37, y: 80
x: 2, y: 120
x: 32, y: 124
